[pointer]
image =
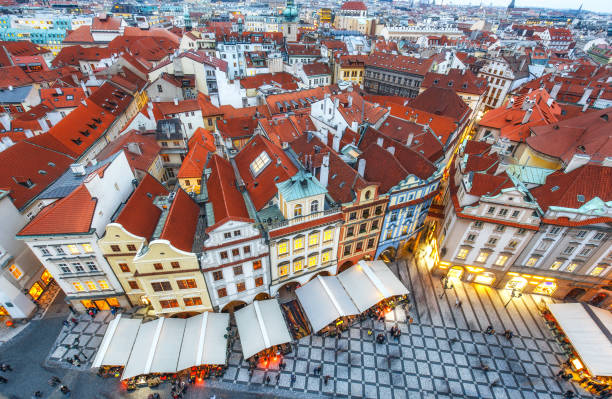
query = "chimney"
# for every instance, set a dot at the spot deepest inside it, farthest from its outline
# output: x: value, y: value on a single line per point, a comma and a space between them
x: 361, y: 167
x: 555, y: 91
x: 391, y: 150
x: 607, y: 162
x: 577, y: 161
x: 585, y: 97
x: 324, y: 174
x: 78, y: 169
x: 134, y: 148
x: 380, y: 141
x: 336, y: 102
x: 409, y: 141
x: 175, y: 101
x: 10, y: 88
x: 510, y: 103
x: 527, y: 116
x: 350, y: 101
x: 336, y: 143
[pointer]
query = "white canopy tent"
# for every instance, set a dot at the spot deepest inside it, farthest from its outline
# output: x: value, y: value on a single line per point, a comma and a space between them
x: 204, y: 340
x: 324, y: 300
x: 117, y: 342
x: 589, y: 329
x: 370, y: 282
x: 261, y: 325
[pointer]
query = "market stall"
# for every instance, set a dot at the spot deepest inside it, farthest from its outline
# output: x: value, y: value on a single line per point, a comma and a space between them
x: 115, y: 348
x: 263, y: 332
x: 585, y: 334
x: 327, y: 304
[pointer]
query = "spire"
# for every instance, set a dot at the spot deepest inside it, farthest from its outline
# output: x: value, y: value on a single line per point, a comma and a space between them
x: 511, y: 5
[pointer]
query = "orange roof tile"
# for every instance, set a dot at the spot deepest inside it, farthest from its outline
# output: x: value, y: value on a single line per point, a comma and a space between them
x: 13, y: 76
x: 181, y: 222
x: 146, y: 144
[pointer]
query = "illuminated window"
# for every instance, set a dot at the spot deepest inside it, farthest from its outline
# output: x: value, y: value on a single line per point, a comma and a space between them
x: 556, y: 265
x: 297, y: 210
x: 133, y: 285
x: 15, y: 271
x: 312, y: 260
x: 571, y: 267
x: 259, y: 281
x: 240, y: 287
x: 260, y: 163
x: 298, y: 265
x: 169, y: 303
x: 482, y: 257
x: 325, y: 256
x: 195, y: 301
x: 298, y: 243
x: 531, y: 261
x: 463, y: 253
x: 91, y: 286
x: 501, y: 260
x: 186, y: 284
x: 256, y: 265
x: 282, y: 248
x: 313, y: 239
x: 78, y: 286
x: 87, y: 248
x: 328, y: 235
x: 103, y: 284
x: 221, y: 292
x: 283, y: 269
x: 73, y: 249
x: 597, y: 271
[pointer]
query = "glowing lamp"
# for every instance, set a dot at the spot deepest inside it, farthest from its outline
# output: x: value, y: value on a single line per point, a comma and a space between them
x: 577, y: 364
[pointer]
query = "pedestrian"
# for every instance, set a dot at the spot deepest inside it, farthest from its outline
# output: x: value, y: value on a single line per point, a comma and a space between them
x: 326, y: 380
x: 293, y: 378
x: 277, y: 377
x: 494, y: 382
x: 6, y: 367
x: 37, y: 394
x: 66, y: 323
x: 283, y: 365
x: 490, y: 330
x: 369, y: 332
x: 508, y: 334
x: 267, y: 379
x: 76, y: 357
x: 457, y: 302
x: 567, y: 376
x: 410, y: 320
x: 569, y: 394
x: 74, y: 321
x: 113, y: 310
x: 72, y: 310
x: 484, y: 366
x: 561, y: 373
x: 64, y: 389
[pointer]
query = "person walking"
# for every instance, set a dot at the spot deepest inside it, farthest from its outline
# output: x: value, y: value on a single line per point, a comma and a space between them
x: 6, y: 367
x: 72, y: 310
x: 267, y: 379
x: 64, y: 389
x: 66, y: 323
x: 490, y: 330
x: 293, y: 379
x: 457, y: 303
x: 3, y: 380
x: 569, y: 394
x: 326, y: 380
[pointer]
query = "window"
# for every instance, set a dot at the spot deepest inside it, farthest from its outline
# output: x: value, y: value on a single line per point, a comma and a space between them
x: 554, y: 230
x: 59, y: 250
x: 520, y: 232
x: 313, y: 239
x: 531, y: 261
x: 491, y: 210
x: 160, y: 89
x: 74, y: 250
x: 217, y: 275
x: 470, y: 237
x: 91, y: 266
x: 477, y: 224
x: 463, y: 253
x: 393, y: 217
x: 569, y: 250
x: 258, y: 281
x: 103, y: 284
x: 325, y: 257
x: 256, y: 264
x: 223, y: 255
x: 492, y: 241
x: 556, y: 265
x: 186, y: 284
x: 500, y: 228
x: 131, y: 247
x: 283, y: 269
x: 78, y: 268
x: 297, y: 210
x: 15, y: 271
x: 221, y: 292
x: 78, y: 286
x: 350, y: 231
x: 374, y: 225
x: 237, y: 233
x: 298, y: 265
x: 596, y: 271
x: 314, y: 206
x: 237, y: 270
x: 227, y: 235
x: 585, y: 252
x: 501, y: 260
x: 571, y: 267
x: 87, y: 248
x: 328, y: 235
x: 64, y: 268
x: 91, y: 286
x: 515, y: 214
x: 246, y: 250
x: 175, y: 265
x: 133, y: 285
x: 513, y: 244
x: 194, y: 301
x: 298, y: 243
x: 378, y: 210
x: 158, y: 266
x: 366, y: 213
x: 236, y: 252
x: 598, y: 236
x: 114, y: 248
x: 283, y: 248
x: 347, y: 250
x: 260, y: 163
x: 161, y: 286
x: 502, y: 213
x: 482, y: 257
x: 312, y: 260
x: 352, y: 215
x: 581, y: 234
x: 168, y: 303
x: 389, y: 234
x: 359, y: 246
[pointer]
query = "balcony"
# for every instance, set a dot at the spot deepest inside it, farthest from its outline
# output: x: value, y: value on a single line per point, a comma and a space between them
x: 301, y: 219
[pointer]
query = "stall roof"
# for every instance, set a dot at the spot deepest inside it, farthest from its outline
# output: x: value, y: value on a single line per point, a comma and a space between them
x: 369, y: 282
x: 165, y: 352
x: 589, y: 329
x: 142, y: 355
x: 117, y: 342
x: 325, y: 300
x: 204, y: 340
x: 261, y: 325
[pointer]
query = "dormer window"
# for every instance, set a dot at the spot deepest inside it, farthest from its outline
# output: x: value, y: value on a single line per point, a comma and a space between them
x: 297, y: 210
x: 314, y: 206
x: 260, y: 163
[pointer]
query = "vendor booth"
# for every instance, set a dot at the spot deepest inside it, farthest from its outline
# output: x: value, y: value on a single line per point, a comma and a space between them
x: 585, y: 334
x: 263, y: 332
x: 327, y: 304
x: 116, y: 345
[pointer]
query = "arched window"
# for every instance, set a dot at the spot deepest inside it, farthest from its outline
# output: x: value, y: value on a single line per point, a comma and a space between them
x: 314, y: 206
x: 297, y: 210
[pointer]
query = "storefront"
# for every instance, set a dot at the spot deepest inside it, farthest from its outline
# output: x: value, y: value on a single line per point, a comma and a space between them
x: 39, y: 287
x: 531, y: 284
x: 101, y: 304
x: 485, y: 278
x: 544, y: 287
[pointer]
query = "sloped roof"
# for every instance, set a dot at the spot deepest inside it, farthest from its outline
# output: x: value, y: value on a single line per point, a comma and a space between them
x: 354, y: 5
x: 71, y: 55
x: 463, y: 81
x: 399, y: 63
x: 227, y: 202
x: 139, y: 216
x: 181, y: 222
x: 381, y: 166
x: 194, y: 162
x: 284, y: 80
x: 300, y: 185
x: 279, y: 130
x: 315, y: 69
x: 59, y: 97
x: 169, y: 108
x: 145, y: 143
x: 13, y: 76
x: 237, y: 127
x: 441, y: 101
x: 82, y: 34
x: 69, y: 215
x: 422, y: 140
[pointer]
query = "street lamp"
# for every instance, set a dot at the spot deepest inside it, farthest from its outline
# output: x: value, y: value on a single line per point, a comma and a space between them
x: 515, y: 293
x: 447, y: 284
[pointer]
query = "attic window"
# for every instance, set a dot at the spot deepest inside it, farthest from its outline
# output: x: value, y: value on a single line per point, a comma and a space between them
x: 260, y: 163
x: 51, y: 164
x: 580, y: 198
x: 450, y: 84
x: 77, y: 141
x: 42, y: 172
x: 149, y: 195
x: 555, y: 188
x: 435, y: 81
x: 27, y: 183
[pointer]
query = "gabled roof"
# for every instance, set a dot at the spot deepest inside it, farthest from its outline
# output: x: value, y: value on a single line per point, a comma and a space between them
x: 279, y: 130
x: 23, y: 48
x: 283, y: 80
x: 381, y: 166
x: 296, y: 99
x: 226, y: 200
x: 194, y: 162
x: 112, y: 99
x: 104, y: 22
x: 237, y: 127
x: 300, y: 185
x: 82, y: 34
x: 422, y: 140
x: 354, y: 6
x: 70, y: 215
x: 315, y: 69
x: 141, y: 150
x: 13, y: 76
x: 71, y: 55
x: 181, y: 222
x: 140, y: 215
x: 66, y: 97
x: 462, y: 81
x: 441, y: 101
x: 168, y: 108
x: 262, y: 186
x: 399, y: 63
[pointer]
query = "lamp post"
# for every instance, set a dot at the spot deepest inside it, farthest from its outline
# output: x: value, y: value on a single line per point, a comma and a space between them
x: 515, y: 293
x: 447, y: 284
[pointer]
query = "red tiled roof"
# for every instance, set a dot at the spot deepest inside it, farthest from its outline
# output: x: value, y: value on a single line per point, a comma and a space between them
x: 58, y: 77
x: 237, y: 127
x: 23, y: 48
x: 69, y: 215
x: 476, y: 147
x: 206, y: 106
x: 227, y: 202
x: 284, y: 80
x: 489, y: 184
x: 58, y: 98
x: 274, y: 100
x: 169, y: 108
x: 112, y: 99
x: 354, y: 6
x: 441, y: 101
x: 82, y: 34
x: 297, y: 49
x: 400, y: 130
x: 105, y: 22
x: 158, y: 33
x: 262, y: 188
x: 399, y: 63
x: 144, y: 47
x: 139, y: 216
x: 335, y: 45
x: 145, y: 143
x: 182, y: 221
x: 279, y: 130
x: 461, y: 81
x: 315, y: 69
x: 71, y: 55
x: 13, y: 76
x: 194, y: 162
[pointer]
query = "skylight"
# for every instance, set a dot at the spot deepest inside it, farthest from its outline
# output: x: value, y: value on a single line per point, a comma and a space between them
x: 260, y: 163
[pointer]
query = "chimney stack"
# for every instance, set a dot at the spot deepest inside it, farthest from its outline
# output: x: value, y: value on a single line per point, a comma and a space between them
x: 350, y: 101
x: 527, y: 116
x: 324, y: 174
x: 391, y: 150
x: 361, y: 167
x: 336, y: 143
x: 175, y: 101
x: 409, y: 141
x: 380, y: 141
